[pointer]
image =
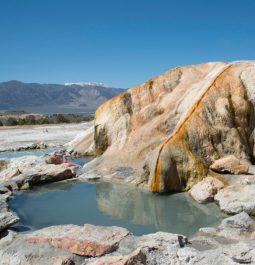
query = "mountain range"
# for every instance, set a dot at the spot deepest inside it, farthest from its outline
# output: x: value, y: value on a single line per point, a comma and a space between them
x: 54, y: 98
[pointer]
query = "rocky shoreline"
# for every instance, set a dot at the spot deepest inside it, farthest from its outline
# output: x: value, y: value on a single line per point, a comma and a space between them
x: 232, y: 242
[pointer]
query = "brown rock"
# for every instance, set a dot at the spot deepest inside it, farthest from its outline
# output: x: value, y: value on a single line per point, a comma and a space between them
x: 229, y: 164
x: 205, y: 190
x: 53, y: 159
x: 3, y: 164
x: 87, y: 240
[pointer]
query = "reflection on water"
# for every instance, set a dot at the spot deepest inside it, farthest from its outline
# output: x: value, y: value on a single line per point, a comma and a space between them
x: 176, y: 213
x: 110, y: 204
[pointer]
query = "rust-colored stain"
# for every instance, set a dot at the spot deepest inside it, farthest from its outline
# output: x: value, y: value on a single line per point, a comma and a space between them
x: 155, y: 185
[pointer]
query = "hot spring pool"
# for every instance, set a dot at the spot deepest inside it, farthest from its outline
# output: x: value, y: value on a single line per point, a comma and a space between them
x: 111, y: 204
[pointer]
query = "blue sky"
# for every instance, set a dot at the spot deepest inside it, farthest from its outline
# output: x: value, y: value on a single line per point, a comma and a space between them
x: 119, y: 42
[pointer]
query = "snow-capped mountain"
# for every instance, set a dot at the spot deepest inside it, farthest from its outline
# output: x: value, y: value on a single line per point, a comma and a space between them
x: 86, y: 84
x: 15, y: 95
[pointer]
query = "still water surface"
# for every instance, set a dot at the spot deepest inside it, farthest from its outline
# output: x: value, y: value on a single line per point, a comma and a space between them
x: 111, y: 204
x: 108, y: 204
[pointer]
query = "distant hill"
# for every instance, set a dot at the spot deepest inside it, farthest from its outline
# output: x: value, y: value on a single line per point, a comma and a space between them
x: 54, y: 98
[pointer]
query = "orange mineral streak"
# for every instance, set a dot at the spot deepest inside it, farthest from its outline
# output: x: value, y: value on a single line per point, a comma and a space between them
x: 176, y: 135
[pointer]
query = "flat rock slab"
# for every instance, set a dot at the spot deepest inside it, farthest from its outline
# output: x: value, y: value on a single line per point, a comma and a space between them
x: 7, y: 219
x: 87, y: 240
x: 236, y: 199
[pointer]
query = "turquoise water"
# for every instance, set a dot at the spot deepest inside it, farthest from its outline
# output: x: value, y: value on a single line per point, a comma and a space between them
x: 108, y: 204
x: 111, y: 204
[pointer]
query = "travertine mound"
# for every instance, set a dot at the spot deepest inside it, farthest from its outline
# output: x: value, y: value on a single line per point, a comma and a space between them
x: 166, y: 132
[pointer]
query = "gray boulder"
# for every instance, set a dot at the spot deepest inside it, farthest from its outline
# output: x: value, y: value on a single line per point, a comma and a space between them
x: 239, y: 226
x: 7, y: 219
x: 236, y: 199
x: 205, y: 190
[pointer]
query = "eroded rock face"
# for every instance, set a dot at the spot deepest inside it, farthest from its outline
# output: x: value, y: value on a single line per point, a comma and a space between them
x: 87, y: 240
x: 170, y: 129
x: 229, y: 164
x: 205, y: 190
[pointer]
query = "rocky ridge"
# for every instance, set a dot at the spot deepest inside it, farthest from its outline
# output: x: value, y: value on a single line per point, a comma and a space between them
x: 16, y: 95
